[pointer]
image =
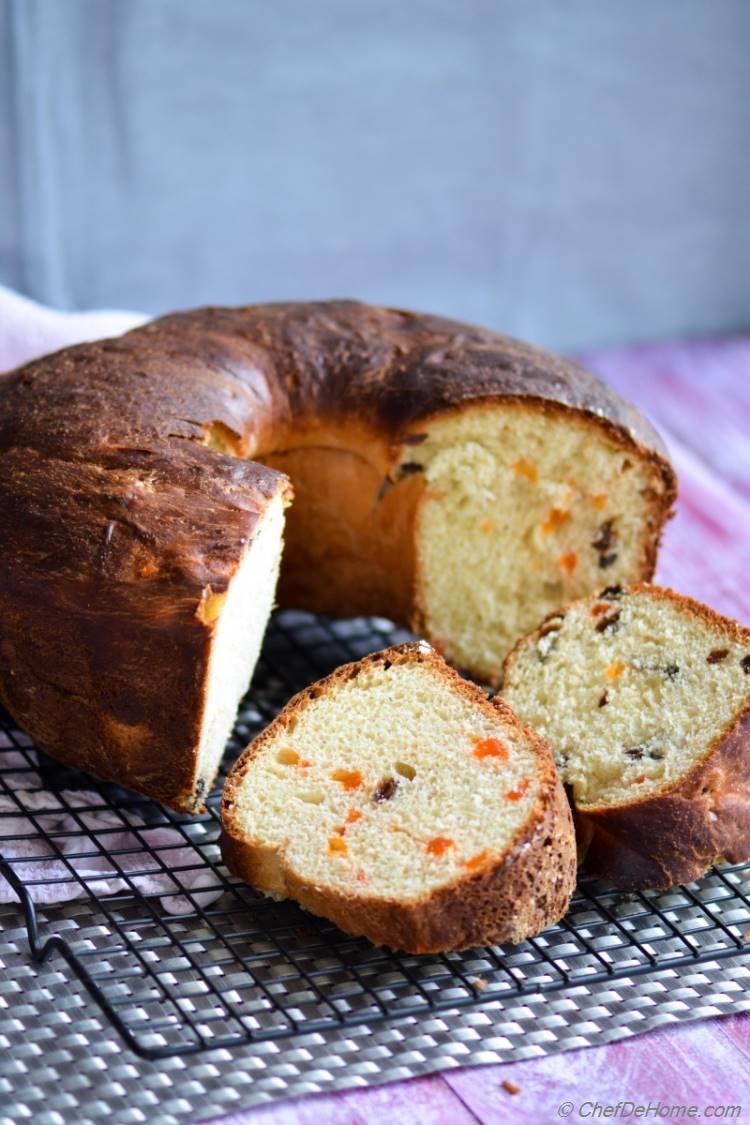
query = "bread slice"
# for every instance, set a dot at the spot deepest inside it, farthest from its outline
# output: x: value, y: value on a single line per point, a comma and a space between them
x: 524, y: 509
x: 396, y: 800
x: 644, y: 697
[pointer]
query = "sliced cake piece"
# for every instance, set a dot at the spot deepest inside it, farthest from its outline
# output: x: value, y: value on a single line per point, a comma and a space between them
x: 396, y: 800
x: 644, y: 697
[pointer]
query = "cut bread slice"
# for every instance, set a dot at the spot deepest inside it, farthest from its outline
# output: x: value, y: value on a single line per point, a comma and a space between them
x: 482, y: 521
x: 524, y: 509
x: 644, y: 697
x: 239, y: 618
x: 396, y: 800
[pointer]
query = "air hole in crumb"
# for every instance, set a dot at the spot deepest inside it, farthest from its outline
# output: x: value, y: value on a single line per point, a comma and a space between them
x: 288, y: 757
x: 314, y: 797
x: 745, y: 664
x: 547, y: 643
x: 405, y: 770
x: 603, y: 699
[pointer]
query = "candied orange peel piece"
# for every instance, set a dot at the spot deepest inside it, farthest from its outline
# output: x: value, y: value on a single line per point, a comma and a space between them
x: 487, y: 527
x: 520, y: 790
x: 337, y: 846
x: 353, y: 815
x: 556, y: 518
x: 568, y: 562
x: 439, y: 845
x: 526, y: 469
x: 489, y: 748
x: 614, y: 671
x: 349, y: 779
x: 477, y: 861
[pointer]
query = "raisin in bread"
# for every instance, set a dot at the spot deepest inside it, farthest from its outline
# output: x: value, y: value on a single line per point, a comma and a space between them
x: 398, y: 801
x: 644, y: 697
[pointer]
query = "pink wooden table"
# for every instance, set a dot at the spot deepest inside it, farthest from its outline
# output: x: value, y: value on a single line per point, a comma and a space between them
x: 699, y: 394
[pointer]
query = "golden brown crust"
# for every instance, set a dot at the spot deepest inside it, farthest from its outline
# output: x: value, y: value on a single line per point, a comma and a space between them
x: 103, y: 649
x: 122, y: 497
x: 694, y: 821
x: 518, y: 894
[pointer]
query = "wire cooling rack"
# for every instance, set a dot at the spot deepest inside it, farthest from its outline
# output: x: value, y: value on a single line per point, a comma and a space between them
x: 182, y: 958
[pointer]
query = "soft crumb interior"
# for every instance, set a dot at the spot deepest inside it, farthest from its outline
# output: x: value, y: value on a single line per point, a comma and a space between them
x: 390, y: 785
x: 522, y: 513
x: 241, y: 617
x: 630, y: 690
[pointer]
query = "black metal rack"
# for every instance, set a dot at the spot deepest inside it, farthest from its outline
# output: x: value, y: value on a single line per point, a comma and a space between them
x: 231, y: 966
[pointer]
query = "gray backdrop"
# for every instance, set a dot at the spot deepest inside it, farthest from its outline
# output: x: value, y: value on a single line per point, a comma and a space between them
x: 574, y: 172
